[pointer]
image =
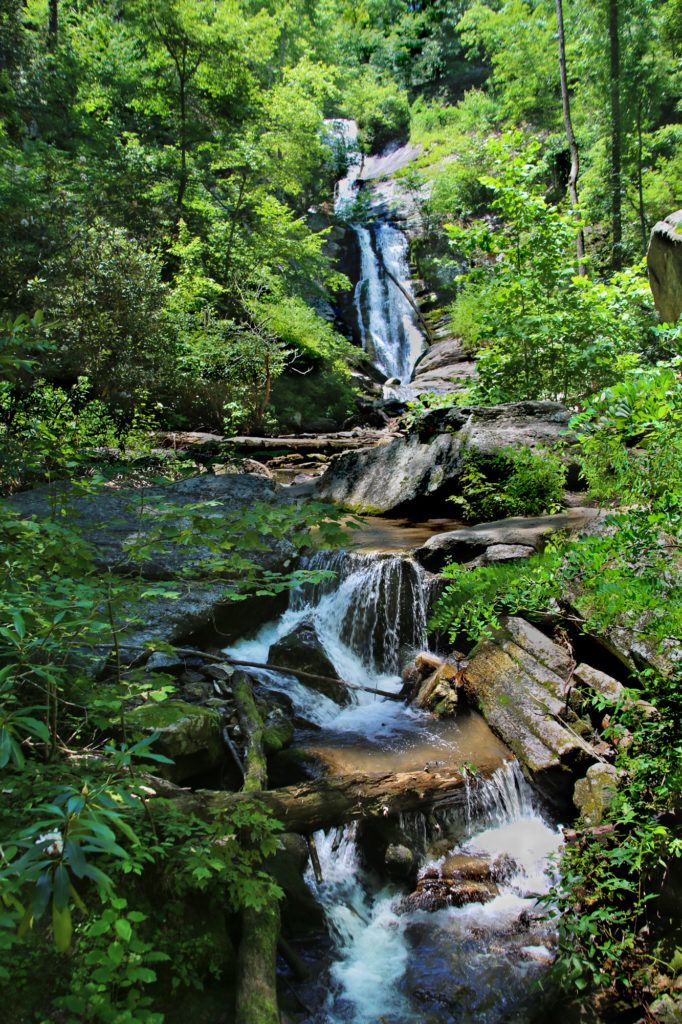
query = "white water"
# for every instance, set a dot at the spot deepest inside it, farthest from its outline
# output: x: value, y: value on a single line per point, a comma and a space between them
x: 374, y: 609
x: 373, y: 940
x: 386, y: 318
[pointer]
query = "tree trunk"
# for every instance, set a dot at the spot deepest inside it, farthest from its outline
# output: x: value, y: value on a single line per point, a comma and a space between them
x: 640, y: 184
x: 570, y: 135
x: 326, y: 802
x: 614, y: 89
x: 182, y: 184
x: 53, y: 23
x: 256, y: 1001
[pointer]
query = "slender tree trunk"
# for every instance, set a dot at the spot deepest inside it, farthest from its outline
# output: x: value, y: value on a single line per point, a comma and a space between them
x: 53, y: 23
x: 570, y: 135
x: 614, y: 89
x: 182, y: 184
x: 640, y: 184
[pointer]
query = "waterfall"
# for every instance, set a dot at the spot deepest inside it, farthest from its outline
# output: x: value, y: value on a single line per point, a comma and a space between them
x: 383, y: 297
x: 386, y: 318
x: 375, y: 972
x: 374, y: 610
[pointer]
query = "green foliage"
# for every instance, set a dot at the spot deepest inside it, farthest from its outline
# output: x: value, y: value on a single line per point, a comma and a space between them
x: 474, y: 604
x: 539, y: 329
x: 630, y: 438
x: 513, y: 482
x: 381, y: 109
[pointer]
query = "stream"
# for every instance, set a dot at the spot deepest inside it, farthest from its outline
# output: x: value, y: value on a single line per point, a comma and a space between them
x: 391, y: 957
x: 385, y: 961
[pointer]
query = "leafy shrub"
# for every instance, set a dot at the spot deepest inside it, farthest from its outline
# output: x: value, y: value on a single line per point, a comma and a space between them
x: 514, y: 482
x: 381, y: 109
x: 539, y: 329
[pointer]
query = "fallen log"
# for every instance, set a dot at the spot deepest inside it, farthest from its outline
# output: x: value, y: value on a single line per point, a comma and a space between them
x: 326, y: 802
x: 322, y: 443
x: 297, y: 673
x: 256, y: 1001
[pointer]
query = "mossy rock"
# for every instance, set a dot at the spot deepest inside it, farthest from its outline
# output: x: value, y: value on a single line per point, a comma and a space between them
x: 188, y: 733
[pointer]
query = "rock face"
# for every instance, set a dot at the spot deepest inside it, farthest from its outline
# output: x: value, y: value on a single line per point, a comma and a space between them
x: 664, y: 262
x: 444, y: 367
x: 115, y: 520
x: 188, y: 733
x: 501, y: 540
x: 301, y: 649
x: 426, y: 465
x: 519, y: 683
x: 594, y: 794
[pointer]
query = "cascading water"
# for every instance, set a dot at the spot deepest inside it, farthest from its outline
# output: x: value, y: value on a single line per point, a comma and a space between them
x: 384, y: 300
x: 390, y: 962
x: 445, y: 967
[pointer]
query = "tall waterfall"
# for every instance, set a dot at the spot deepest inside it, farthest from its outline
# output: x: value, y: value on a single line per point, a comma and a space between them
x: 384, y: 300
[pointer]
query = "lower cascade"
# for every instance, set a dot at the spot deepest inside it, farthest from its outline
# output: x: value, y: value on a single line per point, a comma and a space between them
x: 470, y: 963
x: 461, y: 933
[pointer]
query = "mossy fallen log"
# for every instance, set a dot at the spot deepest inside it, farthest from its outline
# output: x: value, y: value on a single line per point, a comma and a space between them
x: 327, y: 802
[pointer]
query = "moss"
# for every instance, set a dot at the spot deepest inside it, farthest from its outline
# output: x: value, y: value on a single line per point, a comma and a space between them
x: 188, y: 734
x: 277, y: 737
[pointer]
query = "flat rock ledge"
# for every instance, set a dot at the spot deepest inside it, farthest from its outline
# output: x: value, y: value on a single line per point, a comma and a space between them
x: 502, y: 539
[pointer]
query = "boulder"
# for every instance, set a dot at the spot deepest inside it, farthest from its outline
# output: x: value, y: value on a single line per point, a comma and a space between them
x: 112, y: 521
x: 301, y: 649
x: 502, y: 539
x: 518, y: 680
x: 400, y: 861
x: 438, y: 693
x: 437, y: 893
x: 664, y: 262
x: 188, y: 733
x: 594, y: 794
x: 425, y: 466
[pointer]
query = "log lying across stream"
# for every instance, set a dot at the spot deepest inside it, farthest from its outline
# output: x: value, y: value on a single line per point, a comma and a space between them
x: 326, y: 802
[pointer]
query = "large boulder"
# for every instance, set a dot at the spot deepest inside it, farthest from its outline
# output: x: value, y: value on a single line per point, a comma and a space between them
x: 142, y: 529
x: 301, y: 649
x: 502, y: 539
x: 189, y: 734
x: 157, y: 522
x: 519, y: 682
x: 664, y: 262
x: 425, y: 466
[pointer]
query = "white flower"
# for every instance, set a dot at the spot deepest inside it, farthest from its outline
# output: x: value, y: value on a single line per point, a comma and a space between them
x: 56, y: 841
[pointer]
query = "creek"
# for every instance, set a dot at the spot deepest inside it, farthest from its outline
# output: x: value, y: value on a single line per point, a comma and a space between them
x: 393, y: 956
x: 385, y: 960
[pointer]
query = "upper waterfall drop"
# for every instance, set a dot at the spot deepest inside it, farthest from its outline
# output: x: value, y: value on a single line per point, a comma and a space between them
x: 384, y: 302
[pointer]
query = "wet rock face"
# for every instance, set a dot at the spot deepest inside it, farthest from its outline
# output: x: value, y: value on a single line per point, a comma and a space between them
x: 302, y: 650
x: 426, y: 465
x: 664, y: 263
x: 437, y: 893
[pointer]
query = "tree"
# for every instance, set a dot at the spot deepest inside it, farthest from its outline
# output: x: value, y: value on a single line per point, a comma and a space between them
x: 614, y: 94
x: 570, y: 135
